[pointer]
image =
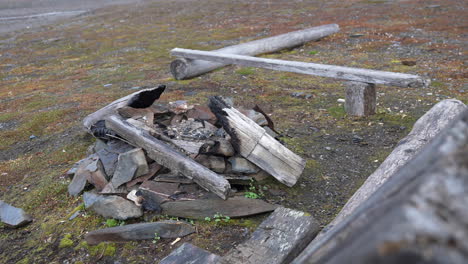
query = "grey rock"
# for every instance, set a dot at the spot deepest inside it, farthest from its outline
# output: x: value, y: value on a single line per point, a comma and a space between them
x: 142, y: 231
x: 74, y: 215
x: 12, y: 216
x: 130, y: 164
x: 270, y: 132
x: 112, y: 206
x: 110, y: 153
x: 257, y: 117
x: 214, y: 163
x: 188, y: 253
x: 79, y: 181
x: 241, y: 165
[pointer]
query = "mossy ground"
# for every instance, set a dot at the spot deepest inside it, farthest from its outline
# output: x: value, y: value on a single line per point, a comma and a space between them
x: 52, y: 77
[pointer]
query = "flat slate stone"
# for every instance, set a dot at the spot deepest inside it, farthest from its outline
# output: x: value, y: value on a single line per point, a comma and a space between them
x: 277, y: 240
x: 232, y: 207
x: 13, y: 216
x: 190, y: 254
x: 130, y: 164
x: 79, y: 181
x: 241, y: 165
x: 112, y: 206
x: 142, y: 231
x: 110, y: 153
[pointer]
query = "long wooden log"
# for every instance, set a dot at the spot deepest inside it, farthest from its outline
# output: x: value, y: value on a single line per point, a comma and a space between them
x: 253, y: 143
x: 424, y: 130
x: 168, y: 157
x: 421, y: 209
x: 339, y: 72
x: 185, y: 69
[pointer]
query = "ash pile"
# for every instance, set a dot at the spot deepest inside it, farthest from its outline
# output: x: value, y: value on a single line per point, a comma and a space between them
x: 180, y: 160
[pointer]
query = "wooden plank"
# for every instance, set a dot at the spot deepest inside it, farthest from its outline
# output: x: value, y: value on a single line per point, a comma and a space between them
x: 253, y: 143
x: 168, y: 157
x: 339, y: 72
x: 190, y: 254
x: 277, y: 240
x: 233, y: 207
x: 184, y: 68
x: 360, y: 98
x: 424, y: 201
x: 143, y: 98
x: 424, y: 130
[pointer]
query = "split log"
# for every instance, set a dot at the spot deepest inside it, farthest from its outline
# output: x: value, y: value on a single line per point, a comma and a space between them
x: 420, y: 209
x: 340, y: 72
x: 168, y: 157
x: 141, y: 231
x: 253, y: 143
x: 188, y: 253
x: 233, y: 207
x: 185, y: 68
x: 140, y: 99
x: 424, y: 130
x: 277, y: 240
x: 360, y: 98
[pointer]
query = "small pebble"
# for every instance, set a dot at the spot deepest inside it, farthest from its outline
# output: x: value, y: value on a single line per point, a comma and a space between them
x: 32, y: 137
x: 327, y: 148
x: 108, y: 85
x: 341, y: 100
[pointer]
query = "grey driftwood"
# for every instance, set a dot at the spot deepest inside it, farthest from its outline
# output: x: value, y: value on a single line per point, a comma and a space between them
x: 418, y: 216
x: 340, y: 72
x: 186, y: 68
x: 168, y: 157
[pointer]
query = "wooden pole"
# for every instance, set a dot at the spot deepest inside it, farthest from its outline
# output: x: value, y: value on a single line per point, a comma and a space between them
x: 184, y: 68
x: 345, y: 73
x: 360, y: 99
x: 168, y: 157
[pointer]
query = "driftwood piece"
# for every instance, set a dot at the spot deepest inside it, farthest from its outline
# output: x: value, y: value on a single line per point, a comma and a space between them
x: 141, y: 231
x: 190, y: 254
x: 233, y: 207
x: 425, y: 129
x: 360, y: 98
x: 185, y: 68
x: 168, y: 157
x: 418, y: 216
x: 253, y: 143
x: 140, y: 99
x: 339, y: 72
x: 277, y: 240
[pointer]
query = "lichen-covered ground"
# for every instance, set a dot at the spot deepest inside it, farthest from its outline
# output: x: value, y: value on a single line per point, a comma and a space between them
x: 53, y: 76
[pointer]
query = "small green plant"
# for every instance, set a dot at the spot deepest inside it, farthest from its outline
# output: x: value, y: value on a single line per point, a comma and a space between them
x: 253, y: 193
x: 208, y: 219
x: 313, y: 52
x: 219, y: 217
x: 156, y: 238
x: 114, y: 223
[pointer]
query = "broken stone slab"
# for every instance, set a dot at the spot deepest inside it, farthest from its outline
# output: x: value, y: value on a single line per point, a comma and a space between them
x: 172, y: 177
x: 199, y: 112
x: 218, y: 147
x: 232, y: 207
x: 151, y: 201
x: 277, y: 240
x: 257, y: 117
x: 79, y: 181
x: 110, y: 154
x: 188, y: 253
x: 111, y: 206
x: 96, y: 175
x: 153, y: 168
x: 110, y: 189
x: 241, y: 165
x: 165, y: 189
x: 72, y: 171
x: 214, y: 163
x: 13, y: 216
x: 142, y: 231
x: 156, y: 193
x: 130, y: 164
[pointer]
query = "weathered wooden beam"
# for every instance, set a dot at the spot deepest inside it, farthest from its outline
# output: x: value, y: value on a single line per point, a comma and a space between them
x: 277, y: 240
x: 420, y: 209
x: 339, y: 72
x: 184, y: 68
x: 253, y: 143
x: 424, y: 130
x: 168, y: 157
x: 140, y: 99
x: 360, y: 98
